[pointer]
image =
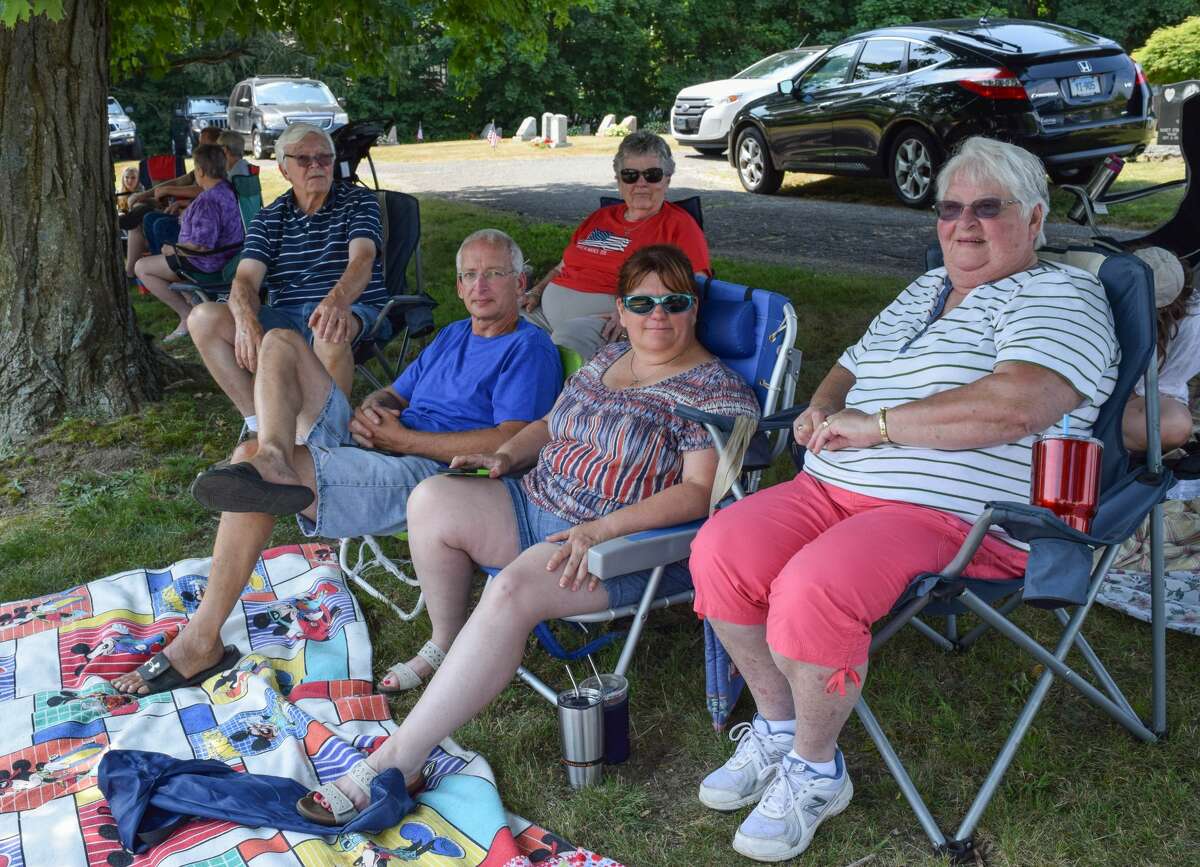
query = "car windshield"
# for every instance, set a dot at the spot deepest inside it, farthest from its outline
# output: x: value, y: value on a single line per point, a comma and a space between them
x: 114, y: 107
x: 282, y: 92
x: 206, y: 105
x: 782, y: 65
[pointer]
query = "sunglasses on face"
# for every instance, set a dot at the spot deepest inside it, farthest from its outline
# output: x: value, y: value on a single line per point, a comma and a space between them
x: 643, y: 305
x: 305, y: 161
x: 988, y: 208
x: 652, y: 176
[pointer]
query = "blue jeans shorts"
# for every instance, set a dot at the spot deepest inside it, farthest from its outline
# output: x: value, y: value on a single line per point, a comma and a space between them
x: 296, y: 316
x: 534, y: 524
x: 359, y: 491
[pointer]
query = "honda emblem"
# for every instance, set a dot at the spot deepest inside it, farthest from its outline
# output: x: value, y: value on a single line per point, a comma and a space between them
x: 1084, y: 66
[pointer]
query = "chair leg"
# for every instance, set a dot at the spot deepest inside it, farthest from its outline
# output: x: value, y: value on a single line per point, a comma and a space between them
x: 1097, y: 667
x: 1008, y: 607
x: 933, y: 635
x: 639, y: 621
x: 539, y: 686
x: 900, y: 774
x: 1158, y: 623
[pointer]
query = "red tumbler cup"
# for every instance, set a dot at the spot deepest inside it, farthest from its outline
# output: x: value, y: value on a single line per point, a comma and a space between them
x: 1065, y: 477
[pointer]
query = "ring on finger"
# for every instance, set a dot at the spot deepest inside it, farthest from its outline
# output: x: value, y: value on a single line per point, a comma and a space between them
x: 825, y: 423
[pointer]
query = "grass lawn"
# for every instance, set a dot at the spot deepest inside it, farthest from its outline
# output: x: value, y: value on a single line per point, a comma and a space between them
x: 1080, y: 792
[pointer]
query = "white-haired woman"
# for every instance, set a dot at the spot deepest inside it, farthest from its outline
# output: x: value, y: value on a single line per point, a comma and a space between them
x: 929, y: 416
x: 575, y: 301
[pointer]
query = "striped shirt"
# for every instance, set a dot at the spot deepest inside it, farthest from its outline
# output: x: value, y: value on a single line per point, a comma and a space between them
x: 306, y: 256
x: 609, y: 449
x: 1054, y: 316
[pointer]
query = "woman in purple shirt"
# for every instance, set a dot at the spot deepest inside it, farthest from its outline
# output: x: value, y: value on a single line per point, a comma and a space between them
x: 213, y: 221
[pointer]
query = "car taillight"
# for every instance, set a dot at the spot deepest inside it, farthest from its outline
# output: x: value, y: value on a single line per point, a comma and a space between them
x: 1141, y: 75
x: 998, y: 83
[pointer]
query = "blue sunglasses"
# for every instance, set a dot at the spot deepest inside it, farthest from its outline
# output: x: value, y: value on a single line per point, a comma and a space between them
x: 643, y: 305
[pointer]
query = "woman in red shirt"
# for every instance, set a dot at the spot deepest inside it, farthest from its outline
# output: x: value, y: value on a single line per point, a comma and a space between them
x: 576, y: 301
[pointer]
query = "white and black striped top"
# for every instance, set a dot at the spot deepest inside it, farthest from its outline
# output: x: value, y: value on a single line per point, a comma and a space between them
x: 306, y: 256
x: 1055, y: 316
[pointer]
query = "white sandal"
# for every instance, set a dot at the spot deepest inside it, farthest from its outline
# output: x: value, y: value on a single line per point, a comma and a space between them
x: 326, y: 805
x: 407, y: 678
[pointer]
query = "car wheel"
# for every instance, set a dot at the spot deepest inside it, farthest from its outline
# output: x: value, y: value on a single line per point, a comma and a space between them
x: 1073, y: 174
x: 754, y: 166
x: 256, y: 145
x: 913, y: 167
x: 711, y: 151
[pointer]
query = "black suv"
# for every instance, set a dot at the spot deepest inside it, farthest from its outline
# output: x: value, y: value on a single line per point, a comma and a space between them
x: 261, y: 108
x: 893, y: 102
x: 192, y: 114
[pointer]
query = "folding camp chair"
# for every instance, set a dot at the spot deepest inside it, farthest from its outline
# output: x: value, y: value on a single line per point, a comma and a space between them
x: 691, y: 204
x: 206, y: 286
x: 161, y: 167
x: 1059, y: 574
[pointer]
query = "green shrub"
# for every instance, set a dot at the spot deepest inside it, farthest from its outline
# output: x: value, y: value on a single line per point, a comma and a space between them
x: 1172, y: 53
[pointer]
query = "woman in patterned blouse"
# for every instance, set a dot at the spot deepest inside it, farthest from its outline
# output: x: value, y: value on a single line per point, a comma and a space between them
x: 610, y: 458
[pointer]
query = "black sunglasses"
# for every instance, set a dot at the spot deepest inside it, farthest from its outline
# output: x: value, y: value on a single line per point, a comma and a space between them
x: 643, y: 305
x: 988, y: 208
x: 305, y: 161
x: 652, y: 176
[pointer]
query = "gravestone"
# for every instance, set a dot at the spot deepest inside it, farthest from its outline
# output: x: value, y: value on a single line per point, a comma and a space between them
x: 527, y: 130
x: 630, y: 123
x: 487, y: 127
x: 391, y: 135
x: 558, y: 132
x: 547, y: 116
x: 1168, y: 105
x: 609, y: 120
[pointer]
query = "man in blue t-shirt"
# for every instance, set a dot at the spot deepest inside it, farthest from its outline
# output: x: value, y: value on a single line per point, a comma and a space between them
x: 350, y: 473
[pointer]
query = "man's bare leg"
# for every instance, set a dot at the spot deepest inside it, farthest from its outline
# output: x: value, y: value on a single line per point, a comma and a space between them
x: 338, y: 358
x: 212, y: 329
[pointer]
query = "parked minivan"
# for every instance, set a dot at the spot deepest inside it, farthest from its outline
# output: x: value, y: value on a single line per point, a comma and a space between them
x: 261, y: 108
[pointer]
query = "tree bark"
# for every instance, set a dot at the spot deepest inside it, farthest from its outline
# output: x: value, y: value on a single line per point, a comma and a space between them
x: 69, y: 343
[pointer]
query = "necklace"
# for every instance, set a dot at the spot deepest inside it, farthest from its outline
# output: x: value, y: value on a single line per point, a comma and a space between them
x: 633, y: 374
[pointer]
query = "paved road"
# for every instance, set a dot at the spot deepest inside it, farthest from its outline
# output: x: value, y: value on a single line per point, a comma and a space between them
x: 786, y: 229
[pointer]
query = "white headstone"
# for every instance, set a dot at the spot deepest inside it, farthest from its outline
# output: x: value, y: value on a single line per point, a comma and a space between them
x: 487, y: 127
x: 630, y: 123
x: 547, y: 116
x: 558, y: 132
x: 609, y: 120
x: 527, y: 130
x: 391, y: 135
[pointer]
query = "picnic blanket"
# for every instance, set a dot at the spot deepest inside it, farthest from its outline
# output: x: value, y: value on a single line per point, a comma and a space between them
x: 298, y: 705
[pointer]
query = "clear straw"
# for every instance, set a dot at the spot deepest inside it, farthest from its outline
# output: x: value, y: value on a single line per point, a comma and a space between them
x: 573, y: 683
x: 1066, y: 424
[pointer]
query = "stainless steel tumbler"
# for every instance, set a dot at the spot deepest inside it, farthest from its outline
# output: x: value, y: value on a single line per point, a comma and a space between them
x: 581, y: 730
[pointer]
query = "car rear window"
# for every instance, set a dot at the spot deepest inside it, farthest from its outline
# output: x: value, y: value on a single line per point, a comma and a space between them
x: 880, y: 58
x: 1033, y: 38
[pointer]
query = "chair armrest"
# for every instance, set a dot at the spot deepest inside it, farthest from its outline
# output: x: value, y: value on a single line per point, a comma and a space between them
x: 642, y: 550
x: 724, y: 423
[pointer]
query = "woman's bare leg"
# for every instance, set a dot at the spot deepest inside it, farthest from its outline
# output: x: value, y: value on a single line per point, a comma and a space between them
x: 157, y: 277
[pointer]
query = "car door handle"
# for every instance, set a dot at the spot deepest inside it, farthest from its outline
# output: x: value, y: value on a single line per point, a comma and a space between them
x: 889, y: 94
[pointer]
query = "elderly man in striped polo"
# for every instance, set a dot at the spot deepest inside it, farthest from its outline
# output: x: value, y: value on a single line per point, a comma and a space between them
x: 318, y: 248
x: 929, y: 416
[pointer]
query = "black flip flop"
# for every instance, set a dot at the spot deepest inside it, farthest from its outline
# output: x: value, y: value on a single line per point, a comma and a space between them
x: 159, y: 675
x: 241, y: 488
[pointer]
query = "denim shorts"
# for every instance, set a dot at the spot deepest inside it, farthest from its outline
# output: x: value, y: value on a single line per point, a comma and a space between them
x: 296, y: 316
x: 359, y: 491
x: 534, y: 524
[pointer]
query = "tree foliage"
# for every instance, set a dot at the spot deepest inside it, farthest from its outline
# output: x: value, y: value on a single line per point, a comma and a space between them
x: 1172, y: 53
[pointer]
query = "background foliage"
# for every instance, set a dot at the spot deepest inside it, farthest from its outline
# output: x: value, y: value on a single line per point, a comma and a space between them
x: 1172, y: 53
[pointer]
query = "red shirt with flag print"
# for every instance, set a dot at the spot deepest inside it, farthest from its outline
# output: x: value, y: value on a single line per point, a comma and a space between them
x: 606, y: 239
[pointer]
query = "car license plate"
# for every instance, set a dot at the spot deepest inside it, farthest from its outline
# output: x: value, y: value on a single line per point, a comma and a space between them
x: 1085, y: 85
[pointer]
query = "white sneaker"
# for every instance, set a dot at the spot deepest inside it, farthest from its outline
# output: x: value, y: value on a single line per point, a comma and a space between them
x: 796, y: 802
x: 743, y: 779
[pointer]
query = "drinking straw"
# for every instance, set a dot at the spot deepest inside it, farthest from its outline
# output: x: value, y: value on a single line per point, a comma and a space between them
x: 592, y: 663
x: 1066, y: 424
x: 573, y: 683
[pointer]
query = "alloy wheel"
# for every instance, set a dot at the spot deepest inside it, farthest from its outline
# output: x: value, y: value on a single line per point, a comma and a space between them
x: 750, y: 161
x: 913, y: 168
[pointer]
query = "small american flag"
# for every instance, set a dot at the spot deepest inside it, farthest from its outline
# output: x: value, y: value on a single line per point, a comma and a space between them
x: 420, y: 132
x: 602, y: 240
x: 493, y: 137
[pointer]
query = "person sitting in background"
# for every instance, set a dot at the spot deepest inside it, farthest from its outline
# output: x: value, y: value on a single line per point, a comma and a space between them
x: 234, y: 146
x: 130, y: 184
x: 212, y: 222
x: 1178, y: 353
x: 480, y: 381
x: 574, y: 301
x: 930, y: 416
x: 610, y: 458
x: 145, y: 203
x: 318, y: 248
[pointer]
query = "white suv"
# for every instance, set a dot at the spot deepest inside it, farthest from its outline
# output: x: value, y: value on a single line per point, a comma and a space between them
x: 702, y: 113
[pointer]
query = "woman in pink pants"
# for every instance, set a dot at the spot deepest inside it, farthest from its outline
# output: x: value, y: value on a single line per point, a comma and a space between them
x: 919, y: 424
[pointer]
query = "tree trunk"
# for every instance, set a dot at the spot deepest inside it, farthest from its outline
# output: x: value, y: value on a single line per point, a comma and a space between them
x: 68, y: 339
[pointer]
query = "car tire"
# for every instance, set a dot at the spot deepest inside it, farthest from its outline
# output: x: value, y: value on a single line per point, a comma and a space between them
x: 913, y: 165
x: 1073, y: 174
x: 710, y: 151
x: 256, y: 145
x: 754, y: 167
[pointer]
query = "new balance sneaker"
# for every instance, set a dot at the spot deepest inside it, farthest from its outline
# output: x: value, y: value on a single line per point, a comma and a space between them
x: 743, y: 779
x: 795, y: 803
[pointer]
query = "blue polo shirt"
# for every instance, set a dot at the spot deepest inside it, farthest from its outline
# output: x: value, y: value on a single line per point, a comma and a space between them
x: 306, y: 256
x: 466, y: 382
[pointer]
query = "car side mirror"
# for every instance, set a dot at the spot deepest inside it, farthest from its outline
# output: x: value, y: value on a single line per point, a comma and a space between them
x: 786, y: 86
x: 245, y: 100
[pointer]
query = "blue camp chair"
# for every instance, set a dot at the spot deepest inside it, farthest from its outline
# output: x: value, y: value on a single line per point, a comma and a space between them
x: 751, y: 330
x: 1060, y: 573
